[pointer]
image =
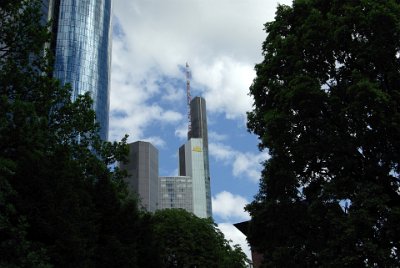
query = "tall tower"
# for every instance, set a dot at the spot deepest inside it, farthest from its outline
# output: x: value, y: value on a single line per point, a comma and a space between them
x: 193, y: 156
x: 199, y: 130
x: 189, y: 98
x: 82, y: 49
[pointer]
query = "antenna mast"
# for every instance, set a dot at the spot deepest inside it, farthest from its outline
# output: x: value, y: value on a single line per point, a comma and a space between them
x: 189, y: 98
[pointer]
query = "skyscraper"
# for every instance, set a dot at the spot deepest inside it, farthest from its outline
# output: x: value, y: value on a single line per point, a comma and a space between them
x: 82, y: 49
x: 142, y: 168
x: 198, y: 114
x: 193, y: 159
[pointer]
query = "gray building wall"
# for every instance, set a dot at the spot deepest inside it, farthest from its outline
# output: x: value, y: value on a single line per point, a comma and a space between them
x: 175, y: 192
x: 142, y: 168
x: 182, y: 163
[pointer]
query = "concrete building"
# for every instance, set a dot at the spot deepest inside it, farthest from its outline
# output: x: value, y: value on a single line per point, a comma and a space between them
x: 175, y: 192
x: 82, y: 49
x: 142, y: 168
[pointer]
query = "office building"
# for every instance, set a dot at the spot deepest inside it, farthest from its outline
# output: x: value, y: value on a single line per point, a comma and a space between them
x: 142, y: 168
x: 191, y: 163
x: 175, y: 192
x: 197, y: 140
x: 82, y: 49
x: 191, y: 189
x: 199, y: 130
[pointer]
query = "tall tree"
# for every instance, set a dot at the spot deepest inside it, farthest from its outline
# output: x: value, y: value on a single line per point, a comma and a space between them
x: 326, y: 107
x: 58, y: 196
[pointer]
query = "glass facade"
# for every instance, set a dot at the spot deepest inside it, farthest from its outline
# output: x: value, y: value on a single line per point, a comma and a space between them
x: 175, y: 192
x: 199, y: 129
x: 82, y: 50
x: 194, y: 167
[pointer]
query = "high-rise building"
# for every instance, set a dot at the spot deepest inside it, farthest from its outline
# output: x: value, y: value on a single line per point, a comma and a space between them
x: 198, y: 116
x: 191, y: 161
x: 191, y: 189
x: 82, y: 49
x: 142, y: 168
x: 193, y: 158
x: 175, y: 192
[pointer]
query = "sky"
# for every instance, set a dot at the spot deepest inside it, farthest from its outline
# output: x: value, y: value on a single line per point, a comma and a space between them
x: 221, y: 41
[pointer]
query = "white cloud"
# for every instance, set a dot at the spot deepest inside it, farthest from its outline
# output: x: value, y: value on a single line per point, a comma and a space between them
x: 231, y: 233
x: 220, y: 39
x: 156, y: 141
x: 248, y: 164
x: 243, y: 163
x: 182, y: 131
x: 230, y: 207
x: 130, y: 97
x: 221, y: 152
x: 173, y: 94
x: 225, y: 83
x: 214, y: 136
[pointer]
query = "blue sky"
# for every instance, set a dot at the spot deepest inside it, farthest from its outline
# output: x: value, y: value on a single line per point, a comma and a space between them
x: 221, y: 40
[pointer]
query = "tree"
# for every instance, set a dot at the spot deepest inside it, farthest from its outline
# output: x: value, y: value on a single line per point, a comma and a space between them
x: 185, y: 240
x: 58, y: 195
x: 326, y: 106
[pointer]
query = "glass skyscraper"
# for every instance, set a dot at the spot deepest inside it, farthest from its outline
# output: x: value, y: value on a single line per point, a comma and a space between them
x: 193, y: 159
x: 199, y: 129
x: 82, y: 48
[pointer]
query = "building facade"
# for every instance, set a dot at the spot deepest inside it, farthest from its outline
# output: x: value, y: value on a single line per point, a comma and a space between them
x: 82, y: 48
x: 193, y: 162
x: 175, y: 192
x: 198, y: 115
x: 191, y: 189
x: 142, y: 168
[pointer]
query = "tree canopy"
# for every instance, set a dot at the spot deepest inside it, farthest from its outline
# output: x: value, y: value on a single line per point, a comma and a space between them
x: 61, y: 205
x: 185, y: 240
x: 326, y: 107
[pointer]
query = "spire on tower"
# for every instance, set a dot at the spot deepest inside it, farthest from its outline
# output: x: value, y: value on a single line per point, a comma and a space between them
x: 189, y: 98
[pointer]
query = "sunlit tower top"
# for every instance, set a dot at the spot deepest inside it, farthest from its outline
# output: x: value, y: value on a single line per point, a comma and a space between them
x: 189, y: 98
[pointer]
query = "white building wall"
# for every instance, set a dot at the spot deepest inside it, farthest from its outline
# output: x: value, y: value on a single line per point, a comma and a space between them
x: 194, y: 160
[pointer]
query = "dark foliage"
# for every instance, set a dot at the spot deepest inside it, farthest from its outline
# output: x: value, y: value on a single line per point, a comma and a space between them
x: 185, y: 240
x: 326, y: 106
x: 60, y: 203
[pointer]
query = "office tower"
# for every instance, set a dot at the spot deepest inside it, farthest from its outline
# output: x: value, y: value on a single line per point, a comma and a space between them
x: 193, y: 160
x: 142, y: 168
x: 198, y: 118
x: 191, y: 156
x: 82, y: 49
x: 175, y: 192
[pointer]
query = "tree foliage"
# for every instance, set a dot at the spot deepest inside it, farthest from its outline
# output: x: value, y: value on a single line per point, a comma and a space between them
x: 185, y: 240
x: 60, y: 203
x: 326, y: 106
